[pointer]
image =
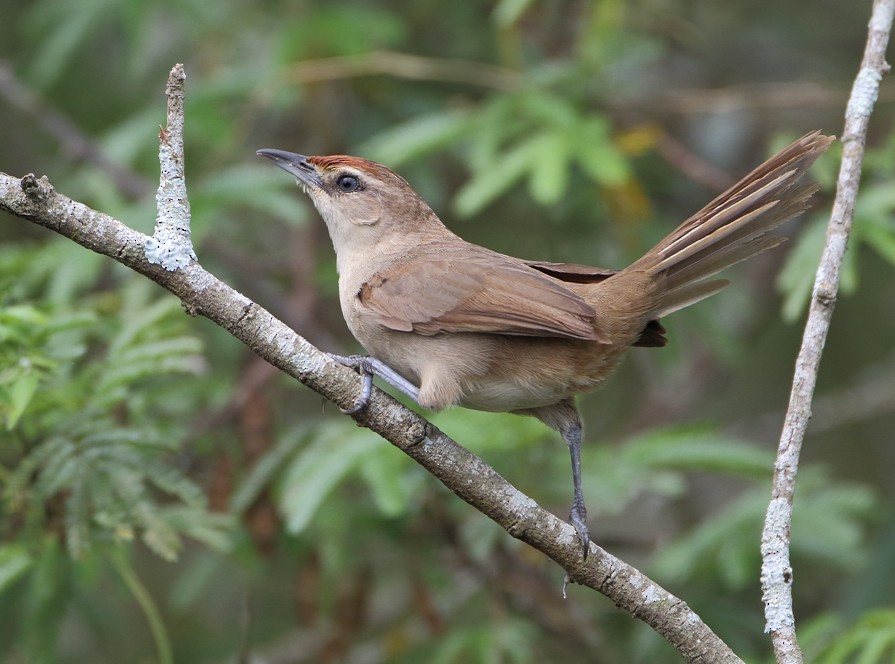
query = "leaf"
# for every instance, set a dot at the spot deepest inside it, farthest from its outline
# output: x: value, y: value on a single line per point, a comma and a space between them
x: 507, y: 12
x: 212, y: 530
x: 265, y: 469
x: 483, y: 432
x: 827, y: 526
x: 796, y: 279
x: 868, y: 641
x: 489, y: 183
x: 879, y: 234
x: 386, y: 473
x: 596, y: 153
x: 247, y: 186
x: 158, y: 534
x: 693, y: 448
x: 77, y: 519
x: 319, y: 468
x: 417, y: 137
x: 63, y: 32
x: 14, y: 562
x: 713, y: 541
x: 549, y: 175
x: 20, y: 393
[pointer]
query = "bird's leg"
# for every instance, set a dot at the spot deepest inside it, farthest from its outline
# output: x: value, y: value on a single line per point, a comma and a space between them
x: 572, y: 434
x: 563, y: 417
x: 368, y: 367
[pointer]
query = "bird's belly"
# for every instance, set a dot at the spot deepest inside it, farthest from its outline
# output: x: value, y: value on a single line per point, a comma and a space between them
x: 528, y: 373
x: 495, y: 373
x: 501, y: 397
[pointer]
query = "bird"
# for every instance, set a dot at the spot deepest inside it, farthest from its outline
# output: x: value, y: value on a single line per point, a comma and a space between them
x: 452, y: 323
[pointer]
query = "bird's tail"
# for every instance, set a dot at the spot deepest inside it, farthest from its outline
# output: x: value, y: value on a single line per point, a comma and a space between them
x: 733, y: 227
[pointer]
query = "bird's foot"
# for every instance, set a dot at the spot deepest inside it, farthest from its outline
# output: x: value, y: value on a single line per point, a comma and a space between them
x: 578, y: 519
x: 363, y: 366
x: 368, y: 366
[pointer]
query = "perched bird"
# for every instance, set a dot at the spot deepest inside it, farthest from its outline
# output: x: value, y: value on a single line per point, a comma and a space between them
x: 452, y: 323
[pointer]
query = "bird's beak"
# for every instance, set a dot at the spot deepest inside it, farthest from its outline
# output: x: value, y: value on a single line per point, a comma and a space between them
x: 295, y: 164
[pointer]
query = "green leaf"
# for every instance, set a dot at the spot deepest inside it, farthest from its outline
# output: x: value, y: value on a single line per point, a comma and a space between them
x: 20, y: 393
x: 875, y: 645
x: 879, y: 234
x: 14, y: 561
x: 483, y: 432
x: 695, y: 448
x: 247, y: 186
x: 549, y: 175
x: 386, y: 473
x: 319, y: 468
x: 796, y: 279
x: 869, y: 641
x: 417, y: 137
x: 265, y: 470
x: 489, y: 183
x: 827, y: 527
x: 158, y: 534
x: 710, y: 544
x: 507, y: 12
x: 62, y: 34
x: 597, y: 154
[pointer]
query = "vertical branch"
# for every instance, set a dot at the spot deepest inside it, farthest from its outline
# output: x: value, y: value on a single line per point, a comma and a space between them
x: 776, y: 573
x: 170, y: 244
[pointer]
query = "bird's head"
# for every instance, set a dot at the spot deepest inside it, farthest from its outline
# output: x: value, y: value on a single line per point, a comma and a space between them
x: 362, y: 202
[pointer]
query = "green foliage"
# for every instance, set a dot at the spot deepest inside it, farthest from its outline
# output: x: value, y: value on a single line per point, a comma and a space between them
x: 656, y: 463
x: 14, y: 561
x: 506, y: 641
x: 874, y: 228
x: 826, y: 531
x: 868, y: 640
x: 87, y: 394
x: 122, y: 420
x: 88, y: 440
x: 311, y: 464
x: 316, y: 470
x: 532, y: 135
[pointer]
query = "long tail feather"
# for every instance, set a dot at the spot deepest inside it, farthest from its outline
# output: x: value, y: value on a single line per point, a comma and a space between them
x: 735, y: 226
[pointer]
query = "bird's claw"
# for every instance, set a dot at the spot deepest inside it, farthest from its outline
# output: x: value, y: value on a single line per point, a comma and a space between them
x: 578, y: 519
x: 361, y: 364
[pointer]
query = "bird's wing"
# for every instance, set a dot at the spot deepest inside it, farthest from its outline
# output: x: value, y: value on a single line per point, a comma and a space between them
x: 653, y: 334
x: 487, y: 293
x: 570, y: 272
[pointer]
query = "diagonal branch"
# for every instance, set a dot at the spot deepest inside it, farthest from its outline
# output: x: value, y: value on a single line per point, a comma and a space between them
x: 458, y: 469
x: 776, y: 573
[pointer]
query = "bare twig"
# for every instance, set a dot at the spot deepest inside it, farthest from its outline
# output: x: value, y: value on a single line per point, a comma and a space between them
x: 461, y: 471
x: 692, y: 165
x: 458, y: 469
x: 776, y: 573
x: 170, y: 245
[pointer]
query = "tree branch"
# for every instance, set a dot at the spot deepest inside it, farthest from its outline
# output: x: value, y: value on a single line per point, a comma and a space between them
x: 459, y: 470
x: 170, y: 244
x: 165, y: 258
x: 776, y: 573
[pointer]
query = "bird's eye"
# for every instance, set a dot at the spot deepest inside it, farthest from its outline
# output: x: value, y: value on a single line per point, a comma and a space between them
x: 347, y: 183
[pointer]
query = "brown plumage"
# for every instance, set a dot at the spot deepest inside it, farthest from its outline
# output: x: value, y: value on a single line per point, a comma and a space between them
x: 453, y: 323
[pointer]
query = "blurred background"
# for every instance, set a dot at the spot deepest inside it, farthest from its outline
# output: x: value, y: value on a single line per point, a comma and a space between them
x: 166, y: 496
